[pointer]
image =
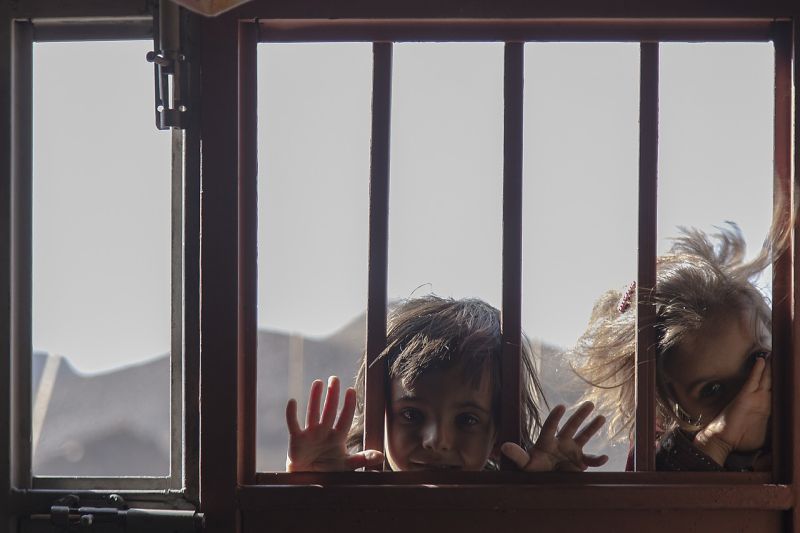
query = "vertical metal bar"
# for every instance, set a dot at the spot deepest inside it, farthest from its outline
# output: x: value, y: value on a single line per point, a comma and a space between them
x: 191, y: 267
x: 782, y: 365
x: 646, y: 277
x: 248, y: 243
x: 793, y: 421
x: 6, y: 379
x: 21, y: 251
x: 375, y: 395
x: 512, y: 242
x: 218, y: 273
x: 176, y: 312
x: 169, y: 35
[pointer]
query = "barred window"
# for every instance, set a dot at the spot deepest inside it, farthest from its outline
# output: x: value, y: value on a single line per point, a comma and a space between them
x: 327, y: 161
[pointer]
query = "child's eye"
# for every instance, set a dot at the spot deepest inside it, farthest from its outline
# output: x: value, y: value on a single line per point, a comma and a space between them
x: 467, y: 420
x: 711, y: 390
x: 410, y: 415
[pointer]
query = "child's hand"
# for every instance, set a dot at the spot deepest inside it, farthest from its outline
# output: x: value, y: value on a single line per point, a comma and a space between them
x: 560, y: 450
x: 742, y: 425
x: 321, y: 446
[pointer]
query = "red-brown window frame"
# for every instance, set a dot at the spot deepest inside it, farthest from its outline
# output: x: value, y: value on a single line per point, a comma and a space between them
x: 648, y: 32
x: 227, y: 134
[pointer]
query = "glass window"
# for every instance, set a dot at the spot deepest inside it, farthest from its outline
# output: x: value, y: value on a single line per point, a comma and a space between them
x: 579, y: 204
x: 313, y: 191
x: 445, y: 214
x: 101, y: 264
x: 716, y: 138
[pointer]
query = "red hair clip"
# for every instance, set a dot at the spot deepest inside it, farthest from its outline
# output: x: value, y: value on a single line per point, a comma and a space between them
x: 625, y: 301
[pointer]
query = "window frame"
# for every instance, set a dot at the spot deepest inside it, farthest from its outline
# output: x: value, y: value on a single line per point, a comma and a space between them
x: 649, y: 33
x: 49, y: 21
x: 222, y: 473
x: 228, y: 136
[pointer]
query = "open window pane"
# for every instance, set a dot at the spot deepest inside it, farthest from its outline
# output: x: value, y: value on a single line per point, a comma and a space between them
x: 579, y: 204
x: 314, y: 139
x: 445, y: 216
x: 101, y: 264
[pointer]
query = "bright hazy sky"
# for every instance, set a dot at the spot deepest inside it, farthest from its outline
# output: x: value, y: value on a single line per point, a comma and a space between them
x: 102, y: 185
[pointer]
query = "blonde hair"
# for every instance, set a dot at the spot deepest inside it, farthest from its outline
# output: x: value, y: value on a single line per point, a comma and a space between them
x: 701, y: 278
x: 433, y: 333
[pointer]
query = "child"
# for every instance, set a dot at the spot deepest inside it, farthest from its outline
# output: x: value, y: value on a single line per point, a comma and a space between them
x: 713, y: 331
x: 443, y: 402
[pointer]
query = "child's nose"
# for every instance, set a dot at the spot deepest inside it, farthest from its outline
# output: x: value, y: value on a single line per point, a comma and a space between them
x: 437, y: 437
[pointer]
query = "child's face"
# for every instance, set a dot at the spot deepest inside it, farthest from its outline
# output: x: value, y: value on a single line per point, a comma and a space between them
x: 442, y: 422
x: 707, y: 370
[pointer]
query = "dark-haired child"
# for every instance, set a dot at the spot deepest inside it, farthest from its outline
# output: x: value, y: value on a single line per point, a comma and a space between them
x: 443, y: 403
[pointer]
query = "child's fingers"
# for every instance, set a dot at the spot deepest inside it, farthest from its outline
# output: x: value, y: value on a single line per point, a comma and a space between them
x: 314, y: 398
x: 754, y: 379
x: 575, y: 421
x: 348, y: 411
x: 595, y: 460
x: 514, y: 452
x: 331, y: 403
x: 589, y: 430
x: 291, y: 417
x: 363, y: 459
x: 550, y: 425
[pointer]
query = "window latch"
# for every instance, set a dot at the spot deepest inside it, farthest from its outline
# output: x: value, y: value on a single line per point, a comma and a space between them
x: 169, y: 64
x: 169, y: 108
x: 67, y: 515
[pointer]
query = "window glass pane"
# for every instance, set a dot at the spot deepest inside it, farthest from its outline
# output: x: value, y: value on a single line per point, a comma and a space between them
x: 445, y: 216
x: 580, y: 192
x: 101, y: 264
x: 581, y: 139
x: 716, y: 138
x: 314, y: 137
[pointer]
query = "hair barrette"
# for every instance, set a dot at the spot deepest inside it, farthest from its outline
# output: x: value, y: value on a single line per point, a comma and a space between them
x: 625, y: 301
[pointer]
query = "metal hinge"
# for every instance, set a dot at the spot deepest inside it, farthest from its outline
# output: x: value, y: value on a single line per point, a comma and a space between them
x: 169, y: 65
x: 68, y: 515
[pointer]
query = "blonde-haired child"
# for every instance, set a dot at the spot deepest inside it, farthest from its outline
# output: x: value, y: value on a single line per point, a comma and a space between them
x: 443, y: 363
x: 713, y: 342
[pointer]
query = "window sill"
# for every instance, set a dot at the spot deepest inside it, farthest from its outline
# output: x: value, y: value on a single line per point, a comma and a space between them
x: 516, y: 491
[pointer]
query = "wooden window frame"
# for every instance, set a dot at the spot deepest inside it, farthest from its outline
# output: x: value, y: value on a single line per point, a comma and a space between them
x: 231, y: 493
x: 650, y: 33
x: 23, y: 24
x: 229, y: 174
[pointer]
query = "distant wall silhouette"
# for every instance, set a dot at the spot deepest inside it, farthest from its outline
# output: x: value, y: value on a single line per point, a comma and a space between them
x: 117, y: 423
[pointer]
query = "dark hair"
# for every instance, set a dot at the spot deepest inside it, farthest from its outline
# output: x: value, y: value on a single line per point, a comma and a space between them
x: 433, y: 333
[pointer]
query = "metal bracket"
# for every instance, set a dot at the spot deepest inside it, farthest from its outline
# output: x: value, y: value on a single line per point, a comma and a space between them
x: 169, y: 109
x: 67, y: 515
x: 169, y: 65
